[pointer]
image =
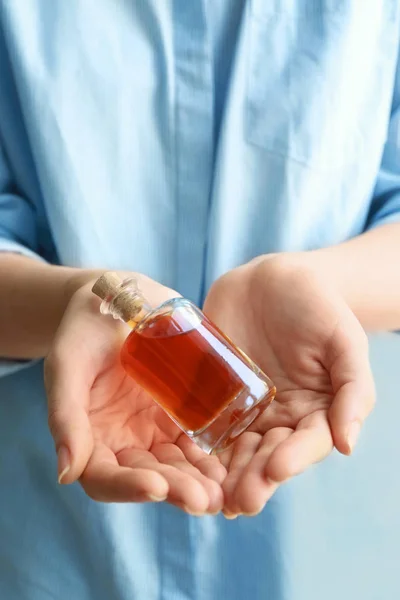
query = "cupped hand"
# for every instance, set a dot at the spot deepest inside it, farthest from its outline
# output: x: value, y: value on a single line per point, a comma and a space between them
x: 109, y: 434
x: 299, y: 330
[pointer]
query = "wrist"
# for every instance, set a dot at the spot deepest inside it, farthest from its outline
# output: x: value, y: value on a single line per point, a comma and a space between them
x: 326, y: 270
x: 33, y: 299
x: 291, y: 268
x: 287, y: 263
x: 79, y: 278
x: 326, y: 265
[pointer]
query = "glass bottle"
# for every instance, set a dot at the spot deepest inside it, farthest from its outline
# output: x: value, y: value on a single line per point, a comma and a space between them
x: 209, y: 387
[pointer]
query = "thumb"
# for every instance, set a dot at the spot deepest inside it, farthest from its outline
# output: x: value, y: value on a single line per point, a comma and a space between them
x: 354, y: 390
x: 68, y: 401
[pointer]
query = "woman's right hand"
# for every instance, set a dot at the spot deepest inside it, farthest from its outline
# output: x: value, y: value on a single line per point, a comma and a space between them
x: 109, y: 434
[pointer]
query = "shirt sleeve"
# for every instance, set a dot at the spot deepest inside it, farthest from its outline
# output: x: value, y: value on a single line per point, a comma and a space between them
x: 385, y: 205
x: 18, y: 234
x: 18, y: 219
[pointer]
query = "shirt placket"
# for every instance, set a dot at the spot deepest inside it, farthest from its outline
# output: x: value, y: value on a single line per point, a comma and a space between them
x: 193, y: 141
x: 193, y: 130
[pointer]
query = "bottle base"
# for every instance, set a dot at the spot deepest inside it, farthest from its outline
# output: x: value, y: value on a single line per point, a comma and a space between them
x: 218, y: 435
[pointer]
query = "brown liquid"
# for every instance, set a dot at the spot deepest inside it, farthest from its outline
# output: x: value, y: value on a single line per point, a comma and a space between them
x: 191, y: 372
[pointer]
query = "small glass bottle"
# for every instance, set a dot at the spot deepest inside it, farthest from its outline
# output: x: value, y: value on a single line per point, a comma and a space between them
x: 209, y: 387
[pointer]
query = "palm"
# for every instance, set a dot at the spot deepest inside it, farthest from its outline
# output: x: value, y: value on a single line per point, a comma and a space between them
x: 295, y: 334
x: 122, y: 446
x: 133, y: 435
x: 298, y: 406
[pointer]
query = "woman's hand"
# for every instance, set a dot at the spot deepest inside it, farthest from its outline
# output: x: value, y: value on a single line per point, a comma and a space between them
x: 299, y: 330
x: 108, y: 433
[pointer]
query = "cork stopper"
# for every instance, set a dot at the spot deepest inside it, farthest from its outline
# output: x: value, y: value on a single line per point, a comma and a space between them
x: 106, y: 286
x: 125, y: 303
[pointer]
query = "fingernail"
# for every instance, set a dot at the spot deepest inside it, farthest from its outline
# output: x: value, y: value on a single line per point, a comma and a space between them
x: 253, y: 514
x: 270, y: 481
x: 192, y: 513
x: 64, y: 462
x: 230, y: 516
x: 353, y: 434
x: 156, y: 498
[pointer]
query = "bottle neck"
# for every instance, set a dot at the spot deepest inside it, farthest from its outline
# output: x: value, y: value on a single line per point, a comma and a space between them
x: 126, y: 303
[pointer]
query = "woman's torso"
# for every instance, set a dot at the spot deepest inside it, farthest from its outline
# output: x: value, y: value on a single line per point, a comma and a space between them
x: 181, y: 139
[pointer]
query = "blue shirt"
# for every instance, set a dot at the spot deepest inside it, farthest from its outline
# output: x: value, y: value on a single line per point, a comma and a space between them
x: 181, y: 139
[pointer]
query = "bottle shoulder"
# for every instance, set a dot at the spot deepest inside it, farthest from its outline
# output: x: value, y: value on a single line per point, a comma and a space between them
x: 177, y: 315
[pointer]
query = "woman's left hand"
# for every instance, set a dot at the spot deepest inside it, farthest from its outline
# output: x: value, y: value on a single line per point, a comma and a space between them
x: 300, y: 331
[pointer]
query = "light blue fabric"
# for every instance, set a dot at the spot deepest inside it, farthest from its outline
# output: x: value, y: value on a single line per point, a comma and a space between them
x: 181, y: 139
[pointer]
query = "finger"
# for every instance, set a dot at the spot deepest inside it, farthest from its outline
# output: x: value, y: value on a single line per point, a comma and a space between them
x: 310, y: 443
x: 79, y: 351
x: 183, y: 490
x: 210, y: 466
x: 105, y: 480
x: 350, y: 408
x: 243, y: 451
x: 169, y: 454
x: 68, y: 397
x: 225, y: 457
x: 254, y: 489
x: 354, y: 390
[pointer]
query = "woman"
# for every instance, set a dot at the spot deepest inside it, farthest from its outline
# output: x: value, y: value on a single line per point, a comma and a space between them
x: 242, y: 154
